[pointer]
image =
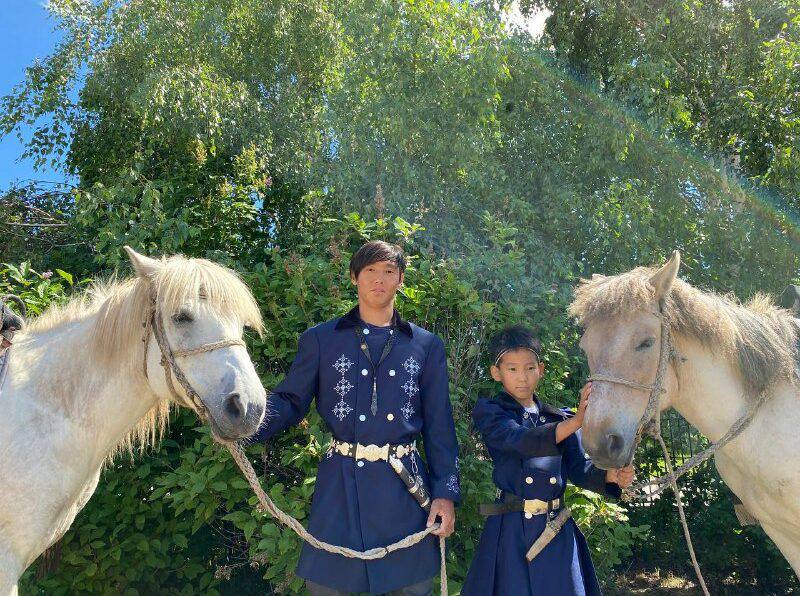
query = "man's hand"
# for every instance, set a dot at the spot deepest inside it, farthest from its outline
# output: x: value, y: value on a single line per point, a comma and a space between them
x: 444, y: 509
x: 623, y: 477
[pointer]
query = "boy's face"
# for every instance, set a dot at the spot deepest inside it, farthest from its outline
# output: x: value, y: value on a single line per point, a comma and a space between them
x: 378, y: 283
x: 519, y: 371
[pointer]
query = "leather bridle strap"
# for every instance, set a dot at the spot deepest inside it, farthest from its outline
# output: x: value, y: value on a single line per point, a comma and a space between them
x: 155, y: 324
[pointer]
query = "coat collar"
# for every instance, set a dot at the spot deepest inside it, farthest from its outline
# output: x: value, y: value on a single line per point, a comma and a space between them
x: 352, y: 319
x: 510, y: 403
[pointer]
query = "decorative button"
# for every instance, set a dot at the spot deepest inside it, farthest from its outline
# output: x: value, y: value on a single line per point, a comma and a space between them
x: 586, y: 456
x: 364, y: 372
x: 529, y: 480
x: 553, y: 480
x: 392, y: 373
x: 541, y: 418
x: 360, y: 464
x: 528, y: 515
x: 362, y: 417
x: 553, y: 515
x: 391, y: 331
x: 389, y: 416
x: 366, y: 331
x: 525, y: 415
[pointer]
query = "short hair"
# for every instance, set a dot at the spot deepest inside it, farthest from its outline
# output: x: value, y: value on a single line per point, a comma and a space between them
x: 514, y: 337
x: 375, y: 252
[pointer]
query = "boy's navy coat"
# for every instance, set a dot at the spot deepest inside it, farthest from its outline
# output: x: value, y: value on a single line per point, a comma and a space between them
x: 530, y: 464
x: 364, y: 505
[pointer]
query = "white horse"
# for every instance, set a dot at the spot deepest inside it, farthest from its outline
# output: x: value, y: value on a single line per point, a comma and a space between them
x: 725, y: 355
x: 85, y: 381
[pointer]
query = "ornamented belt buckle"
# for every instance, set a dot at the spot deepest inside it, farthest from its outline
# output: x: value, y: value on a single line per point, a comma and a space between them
x: 372, y: 452
x: 535, y: 506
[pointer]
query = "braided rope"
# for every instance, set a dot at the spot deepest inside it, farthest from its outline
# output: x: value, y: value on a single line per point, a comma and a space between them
x: 267, y: 505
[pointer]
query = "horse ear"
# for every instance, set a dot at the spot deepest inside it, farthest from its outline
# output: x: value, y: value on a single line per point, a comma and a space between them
x: 144, y: 266
x: 663, y: 278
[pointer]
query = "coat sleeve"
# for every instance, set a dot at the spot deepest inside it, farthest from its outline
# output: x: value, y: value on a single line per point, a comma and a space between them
x: 290, y: 400
x: 583, y: 473
x: 501, y: 432
x: 438, y: 428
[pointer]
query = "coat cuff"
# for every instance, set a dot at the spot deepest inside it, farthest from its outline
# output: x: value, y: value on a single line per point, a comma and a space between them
x: 541, y: 440
x: 596, y: 481
x: 613, y: 491
x: 448, y: 488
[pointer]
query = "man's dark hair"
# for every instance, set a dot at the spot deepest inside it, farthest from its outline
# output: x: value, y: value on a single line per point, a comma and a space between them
x: 515, y: 337
x: 375, y: 252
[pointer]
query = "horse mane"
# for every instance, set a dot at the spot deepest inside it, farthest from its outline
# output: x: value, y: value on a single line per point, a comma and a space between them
x: 121, y: 309
x: 759, y: 337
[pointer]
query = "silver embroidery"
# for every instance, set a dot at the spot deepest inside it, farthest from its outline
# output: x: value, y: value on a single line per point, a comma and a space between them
x: 341, y: 409
x: 407, y: 410
x: 343, y: 364
x: 452, y: 484
x: 412, y: 366
x: 342, y: 387
x: 410, y: 387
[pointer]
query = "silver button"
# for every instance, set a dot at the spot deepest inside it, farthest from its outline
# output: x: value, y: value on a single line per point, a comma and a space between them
x: 553, y: 480
x: 366, y: 331
x: 389, y: 416
x: 364, y: 372
x: 529, y: 480
x: 360, y: 464
x: 528, y: 515
x: 586, y: 456
x: 552, y: 515
x: 525, y: 415
x: 362, y: 417
x: 392, y: 373
x: 541, y: 418
x: 391, y: 331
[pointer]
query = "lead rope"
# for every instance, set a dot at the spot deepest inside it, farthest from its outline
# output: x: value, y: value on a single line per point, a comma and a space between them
x: 154, y: 324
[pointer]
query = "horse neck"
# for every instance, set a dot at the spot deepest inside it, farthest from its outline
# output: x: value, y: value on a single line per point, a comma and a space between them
x: 712, y: 394
x: 96, y: 406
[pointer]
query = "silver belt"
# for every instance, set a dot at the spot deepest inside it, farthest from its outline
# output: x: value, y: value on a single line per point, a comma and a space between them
x: 372, y: 453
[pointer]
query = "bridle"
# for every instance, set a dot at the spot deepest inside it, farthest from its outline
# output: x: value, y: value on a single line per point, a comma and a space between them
x: 155, y: 324
x: 650, y: 416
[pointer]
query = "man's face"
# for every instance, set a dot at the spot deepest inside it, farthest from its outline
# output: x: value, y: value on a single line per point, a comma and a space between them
x: 378, y: 283
x: 519, y: 371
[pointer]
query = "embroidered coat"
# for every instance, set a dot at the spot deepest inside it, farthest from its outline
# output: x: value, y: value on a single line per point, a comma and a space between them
x: 530, y: 464
x: 365, y: 504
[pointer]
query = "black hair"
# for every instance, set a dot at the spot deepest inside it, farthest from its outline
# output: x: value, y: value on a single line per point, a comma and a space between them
x: 375, y: 252
x: 514, y: 337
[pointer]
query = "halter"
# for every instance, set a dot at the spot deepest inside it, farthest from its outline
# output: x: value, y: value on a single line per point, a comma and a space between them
x: 656, y: 388
x: 155, y: 323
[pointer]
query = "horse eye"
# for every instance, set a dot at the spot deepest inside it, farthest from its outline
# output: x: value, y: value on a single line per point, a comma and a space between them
x: 648, y: 343
x: 182, y: 317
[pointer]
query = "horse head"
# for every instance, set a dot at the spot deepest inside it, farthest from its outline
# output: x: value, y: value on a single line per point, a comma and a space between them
x: 622, y: 319
x: 193, y: 350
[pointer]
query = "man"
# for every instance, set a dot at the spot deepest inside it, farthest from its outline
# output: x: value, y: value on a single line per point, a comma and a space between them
x: 378, y: 381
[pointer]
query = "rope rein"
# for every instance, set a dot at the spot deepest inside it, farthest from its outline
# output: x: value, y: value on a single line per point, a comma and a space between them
x: 650, y: 422
x: 154, y: 324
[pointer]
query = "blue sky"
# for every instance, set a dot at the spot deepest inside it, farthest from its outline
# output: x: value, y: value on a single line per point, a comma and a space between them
x: 26, y: 33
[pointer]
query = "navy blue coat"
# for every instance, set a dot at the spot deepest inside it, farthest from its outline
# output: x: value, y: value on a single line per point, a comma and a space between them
x: 364, y: 505
x: 530, y: 464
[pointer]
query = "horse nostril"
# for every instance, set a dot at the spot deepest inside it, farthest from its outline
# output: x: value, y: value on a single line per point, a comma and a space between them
x: 234, y: 406
x: 615, y: 444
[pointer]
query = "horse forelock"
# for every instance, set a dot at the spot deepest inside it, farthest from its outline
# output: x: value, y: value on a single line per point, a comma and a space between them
x: 758, y: 337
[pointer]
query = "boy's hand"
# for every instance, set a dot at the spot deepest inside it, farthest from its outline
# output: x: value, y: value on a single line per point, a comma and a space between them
x: 623, y: 477
x: 445, y: 509
x: 571, y: 425
x: 585, y: 393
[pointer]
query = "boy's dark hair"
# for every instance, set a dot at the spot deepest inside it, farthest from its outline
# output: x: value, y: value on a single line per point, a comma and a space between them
x: 514, y: 337
x: 375, y: 252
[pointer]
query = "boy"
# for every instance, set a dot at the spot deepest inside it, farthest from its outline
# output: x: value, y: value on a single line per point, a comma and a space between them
x: 535, y: 448
x: 379, y: 382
